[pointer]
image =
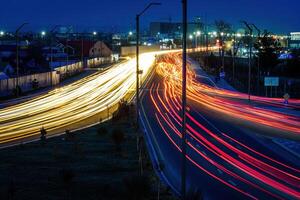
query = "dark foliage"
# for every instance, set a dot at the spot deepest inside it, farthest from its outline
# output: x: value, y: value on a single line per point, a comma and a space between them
x: 118, y: 138
x: 137, y: 187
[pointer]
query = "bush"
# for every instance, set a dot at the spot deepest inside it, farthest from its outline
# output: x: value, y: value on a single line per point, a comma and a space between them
x: 102, y: 131
x: 118, y: 138
x: 137, y: 187
x: 67, y: 175
x: 43, y: 133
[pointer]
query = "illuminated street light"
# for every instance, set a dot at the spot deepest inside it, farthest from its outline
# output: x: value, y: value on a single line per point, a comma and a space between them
x: 43, y: 33
x: 198, y: 33
x: 94, y: 33
x: 130, y: 33
x: 17, y: 55
x: 138, y: 71
x: 1, y: 33
x: 191, y: 37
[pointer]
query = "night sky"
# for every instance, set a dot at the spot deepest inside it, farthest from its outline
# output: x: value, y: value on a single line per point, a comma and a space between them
x: 279, y: 16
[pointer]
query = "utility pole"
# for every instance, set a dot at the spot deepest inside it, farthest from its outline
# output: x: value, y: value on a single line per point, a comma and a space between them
x: 183, y: 133
x: 233, y: 57
x: 82, y: 51
x: 258, y: 60
x: 51, y: 51
x: 138, y: 72
x: 17, y: 56
x: 250, y: 57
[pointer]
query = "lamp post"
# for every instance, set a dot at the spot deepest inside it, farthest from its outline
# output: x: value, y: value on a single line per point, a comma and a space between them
x: 67, y: 44
x: 94, y: 34
x: 183, y: 133
x: 17, y: 55
x: 250, y: 57
x: 51, y: 50
x: 138, y: 72
x: 258, y: 60
x: 198, y: 34
x: 233, y: 56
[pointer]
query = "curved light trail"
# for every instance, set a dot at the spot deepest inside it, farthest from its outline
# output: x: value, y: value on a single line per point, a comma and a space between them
x: 73, y: 103
x: 210, y: 149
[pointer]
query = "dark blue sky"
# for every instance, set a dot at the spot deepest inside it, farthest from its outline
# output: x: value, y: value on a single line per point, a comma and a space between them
x: 276, y: 15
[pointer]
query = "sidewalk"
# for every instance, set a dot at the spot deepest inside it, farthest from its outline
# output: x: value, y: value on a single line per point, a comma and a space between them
x: 200, y: 72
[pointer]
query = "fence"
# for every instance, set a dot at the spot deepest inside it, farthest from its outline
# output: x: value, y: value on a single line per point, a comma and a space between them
x: 94, y: 62
x: 69, y: 70
x: 7, y: 86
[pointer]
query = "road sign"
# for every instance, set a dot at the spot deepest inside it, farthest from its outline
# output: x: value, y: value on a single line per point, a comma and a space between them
x: 271, y: 81
x: 222, y: 74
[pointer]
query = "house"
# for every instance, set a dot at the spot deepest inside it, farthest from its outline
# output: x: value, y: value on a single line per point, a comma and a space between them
x: 6, y: 68
x: 89, y: 49
x: 3, y: 76
x: 99, y: 49
x: 8, y: 48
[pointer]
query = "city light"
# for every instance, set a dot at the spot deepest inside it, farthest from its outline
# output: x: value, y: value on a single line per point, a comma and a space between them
x: 130, y: 33
x: 43, y: 33
x: 94, y: 33
x: 191, y: 37
x: 198, y: 33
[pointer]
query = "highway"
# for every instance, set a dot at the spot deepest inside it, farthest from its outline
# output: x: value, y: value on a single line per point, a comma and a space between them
x: 228, y: 156
x: 82, y: 103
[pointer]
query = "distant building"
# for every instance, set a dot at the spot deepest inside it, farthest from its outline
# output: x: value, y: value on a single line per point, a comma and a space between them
x: 90, y: 49
x: 8, y: 48
x: 294, y: 42
x: 172, y: 29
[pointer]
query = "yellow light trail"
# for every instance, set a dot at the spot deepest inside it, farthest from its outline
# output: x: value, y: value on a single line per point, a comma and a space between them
x: 73, y: 103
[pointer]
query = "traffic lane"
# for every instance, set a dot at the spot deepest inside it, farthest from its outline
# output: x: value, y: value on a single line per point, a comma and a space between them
x: 158, y: 89
x: 166, y: 119
x: 239, y: 130
x: 196, y: 178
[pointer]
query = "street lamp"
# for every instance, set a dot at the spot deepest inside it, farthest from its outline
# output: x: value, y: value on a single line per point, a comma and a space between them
x: 43, y: 33
x: 94, y: 33
x: 197, y: 34
x: 250, y: 55
x: 17, y: 55
x: 183, y: 133
x: 51, y: 50
x: 138, y: 72
x: 2, y: 33
x: 258, y: 61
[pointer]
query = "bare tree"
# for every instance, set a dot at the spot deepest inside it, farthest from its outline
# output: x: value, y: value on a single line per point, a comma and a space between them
x: 222, y: 29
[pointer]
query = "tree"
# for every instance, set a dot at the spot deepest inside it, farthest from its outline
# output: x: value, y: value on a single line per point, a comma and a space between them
x: 292, y: 65
x: 268, y: 51
x: 222, y: 29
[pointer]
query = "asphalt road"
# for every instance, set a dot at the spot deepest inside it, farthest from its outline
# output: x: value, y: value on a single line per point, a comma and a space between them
x: 229, y: 155
x: 75, y: 106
